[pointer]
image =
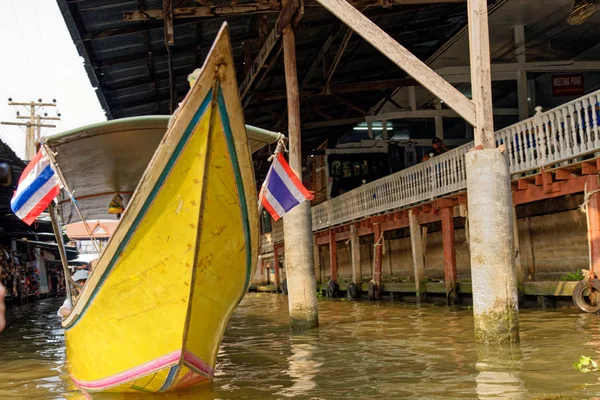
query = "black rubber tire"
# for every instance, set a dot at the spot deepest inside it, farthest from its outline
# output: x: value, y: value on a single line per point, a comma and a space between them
x: 453, y: 298
x: 352, y: 291
x: 332, y: 289
x: 371, y: 291
x: 284, y: 289
x: 581, y: 298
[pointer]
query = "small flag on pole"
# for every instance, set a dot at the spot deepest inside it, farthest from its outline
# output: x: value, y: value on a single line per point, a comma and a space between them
x: 282, y: 190
x: 38, y: 186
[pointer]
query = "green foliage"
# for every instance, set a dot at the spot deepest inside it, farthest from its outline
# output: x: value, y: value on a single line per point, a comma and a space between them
x: 585, y: 364
x: 573, y: 277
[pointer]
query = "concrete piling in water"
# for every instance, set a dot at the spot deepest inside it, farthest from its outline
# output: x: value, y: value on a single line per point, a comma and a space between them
x: 297, y: 229
x: 495, y: 300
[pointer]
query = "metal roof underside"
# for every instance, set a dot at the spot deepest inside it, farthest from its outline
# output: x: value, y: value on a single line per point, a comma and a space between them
x: 128, y: 60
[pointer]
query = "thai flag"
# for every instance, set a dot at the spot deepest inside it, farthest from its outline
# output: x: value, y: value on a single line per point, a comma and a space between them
x: 38, y: 186
x: 282, y: 190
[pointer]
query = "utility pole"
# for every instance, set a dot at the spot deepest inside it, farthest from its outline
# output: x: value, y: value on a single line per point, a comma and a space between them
x: 34, y: 123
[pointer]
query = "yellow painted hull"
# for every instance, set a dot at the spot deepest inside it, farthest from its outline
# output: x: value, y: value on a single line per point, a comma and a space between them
x: 152, y: 316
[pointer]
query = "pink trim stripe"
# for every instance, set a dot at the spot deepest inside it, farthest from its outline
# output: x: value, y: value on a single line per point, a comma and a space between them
x: 133, y: 373
x: 197, y: 363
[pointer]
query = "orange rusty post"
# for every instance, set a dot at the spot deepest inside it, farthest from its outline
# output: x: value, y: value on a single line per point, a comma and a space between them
x: 593, y: 221
x: 378, y: 237
x: 276, y: 266
x: 333, y: 256
x: 449, y: 254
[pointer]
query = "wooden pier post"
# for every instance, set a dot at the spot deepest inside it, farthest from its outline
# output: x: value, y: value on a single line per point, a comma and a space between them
x: 297, y: 229
x: 417, y: 253
x: 355, y: 255
x: 377, y: 253
x: 449, y: 255
x: 495, y: 299
x: 518, y: 264
x: 333, y: 264
x: 593, y: 221
x: 276, y: 267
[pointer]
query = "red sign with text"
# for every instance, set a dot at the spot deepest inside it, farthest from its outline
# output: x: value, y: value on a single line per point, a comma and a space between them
x: 568, y: 85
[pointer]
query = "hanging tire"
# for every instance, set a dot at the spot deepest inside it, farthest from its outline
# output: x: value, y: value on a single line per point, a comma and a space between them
x: 586, y: 295
x: 284, y: 289
x: 371, y: 291
x: 352, y: 291
x: 332, y: 289
x: 452, y: 298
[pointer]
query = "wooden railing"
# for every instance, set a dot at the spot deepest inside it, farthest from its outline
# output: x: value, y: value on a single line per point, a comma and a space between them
x: 549, y: 138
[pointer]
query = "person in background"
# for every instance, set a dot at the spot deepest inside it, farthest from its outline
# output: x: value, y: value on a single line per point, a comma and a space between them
x: 437, y: 148
x: 79, y: 277
x: 2, y: 308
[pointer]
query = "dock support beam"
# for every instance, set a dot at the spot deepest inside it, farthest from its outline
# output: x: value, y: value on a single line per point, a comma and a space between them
x: 333, y: 264
x: 495, y: 299
x: 593, y: 221
x: 377, y: 253
x: 416, y: 243
x: 297, y: 229
x: 355, y: 255
x: 518, y: 263
x: 276, y: 267
x: 449, y: 255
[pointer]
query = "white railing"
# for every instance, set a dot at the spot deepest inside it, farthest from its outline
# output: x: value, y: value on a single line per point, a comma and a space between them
x: 561, y: 134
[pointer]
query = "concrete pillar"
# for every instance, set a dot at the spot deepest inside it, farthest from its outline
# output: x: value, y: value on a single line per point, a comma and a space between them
x: 495, y: 299
x: 276, y: 267
x: 593, y: 222
x: 297, y: 229
x: 355, y: 255
x: 518, y: 264
x: 333, y: 264
x: 449, y: 254
x: 417, y: 253
x: 377, y: 254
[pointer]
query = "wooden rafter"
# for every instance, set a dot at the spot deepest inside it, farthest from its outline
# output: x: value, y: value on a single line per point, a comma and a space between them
x: 285, y: 18
x: 403, y: 58
x: 338, y: 55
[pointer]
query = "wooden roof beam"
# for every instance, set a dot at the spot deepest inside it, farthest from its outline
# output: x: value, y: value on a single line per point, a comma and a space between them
x: 403, y: 58
x: 208, y: 11
x: 285, y: 18
x: 202, y: 11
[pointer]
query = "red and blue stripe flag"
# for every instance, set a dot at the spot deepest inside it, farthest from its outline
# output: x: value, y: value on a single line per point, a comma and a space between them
x: 282, y: 190
x: 38, y: 186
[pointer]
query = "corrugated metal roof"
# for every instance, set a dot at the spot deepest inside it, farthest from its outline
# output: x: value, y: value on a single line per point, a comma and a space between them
x: 128, y: 60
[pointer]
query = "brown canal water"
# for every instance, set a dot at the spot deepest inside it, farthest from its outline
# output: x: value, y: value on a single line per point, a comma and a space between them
x: 362, y: 350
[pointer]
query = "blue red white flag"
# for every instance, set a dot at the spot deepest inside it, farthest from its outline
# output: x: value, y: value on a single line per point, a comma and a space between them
x: 38, y: 186
x: 282, y: 190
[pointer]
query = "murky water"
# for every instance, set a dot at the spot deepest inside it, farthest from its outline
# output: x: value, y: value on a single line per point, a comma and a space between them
x: 362, y: 350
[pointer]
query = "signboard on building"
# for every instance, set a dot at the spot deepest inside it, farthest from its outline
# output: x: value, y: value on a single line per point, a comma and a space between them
x: 568, y: 85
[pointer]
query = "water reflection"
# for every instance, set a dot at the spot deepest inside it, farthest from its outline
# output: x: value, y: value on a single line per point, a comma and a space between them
x: 303, y: 365
x: 499, y: 376
x: 361, y: 350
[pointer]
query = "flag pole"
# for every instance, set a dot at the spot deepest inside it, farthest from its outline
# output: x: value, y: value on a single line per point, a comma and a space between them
x: 50, y: 155
x: 61, y: 248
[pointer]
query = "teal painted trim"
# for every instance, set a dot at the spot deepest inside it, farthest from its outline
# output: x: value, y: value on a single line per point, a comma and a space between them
x: 149, y: 200
x: 240, y: 185
x: 170, y: 378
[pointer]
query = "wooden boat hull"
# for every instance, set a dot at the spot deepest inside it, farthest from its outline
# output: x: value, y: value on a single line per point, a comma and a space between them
x: 152, y: 315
